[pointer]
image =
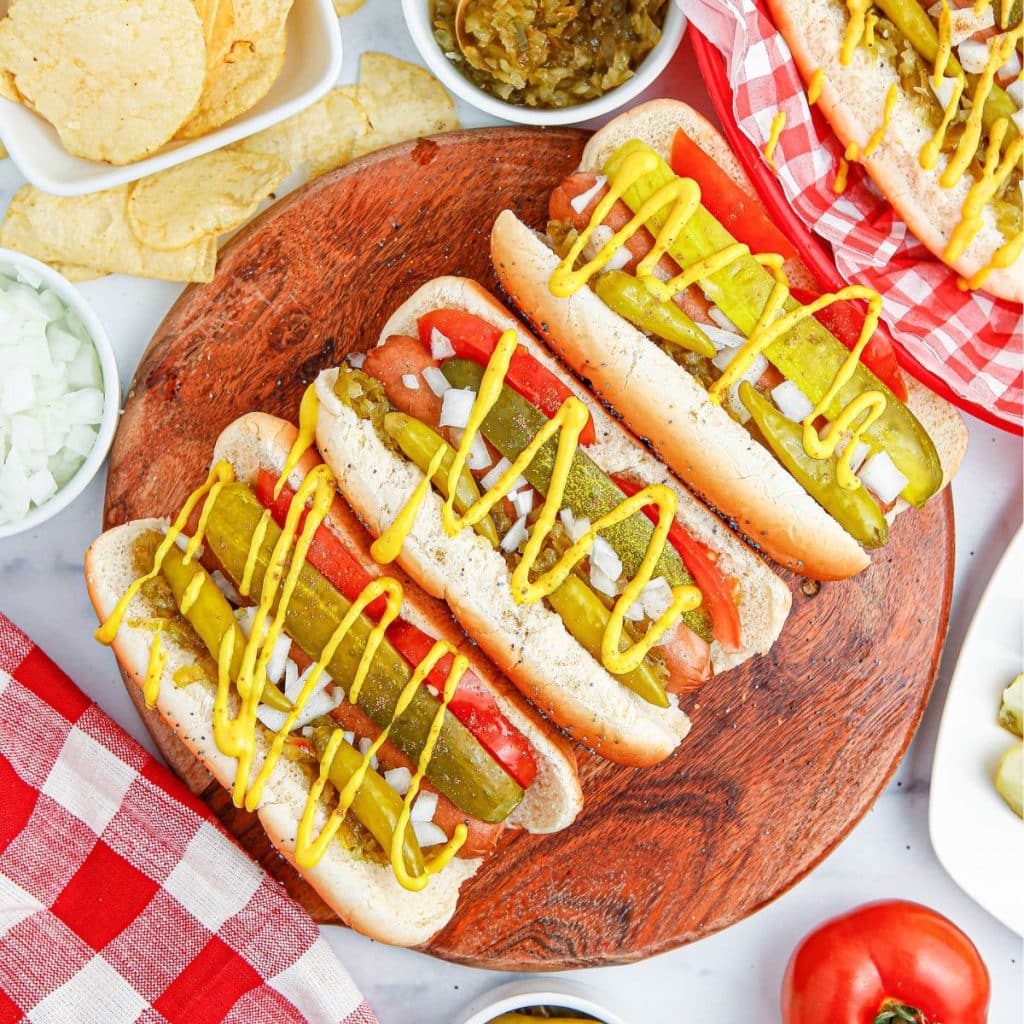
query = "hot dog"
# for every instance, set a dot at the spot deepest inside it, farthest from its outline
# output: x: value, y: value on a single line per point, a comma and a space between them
x: 364, y: 707
x: 763, y: 411
x: 540, y: 596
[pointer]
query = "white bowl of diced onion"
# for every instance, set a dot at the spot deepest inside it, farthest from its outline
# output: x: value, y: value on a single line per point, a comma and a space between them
x: 59, y: 393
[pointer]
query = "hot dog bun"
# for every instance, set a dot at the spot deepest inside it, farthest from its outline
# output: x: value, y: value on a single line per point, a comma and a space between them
x: 530, y: 642
x: 664, y: 404
x: 366, y: 895
x: 853, y: 99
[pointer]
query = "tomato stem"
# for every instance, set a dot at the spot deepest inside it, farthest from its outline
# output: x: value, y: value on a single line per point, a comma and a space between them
x: 892, y: 1011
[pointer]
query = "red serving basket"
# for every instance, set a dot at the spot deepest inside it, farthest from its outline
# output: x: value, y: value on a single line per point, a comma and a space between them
x: 815, y: 253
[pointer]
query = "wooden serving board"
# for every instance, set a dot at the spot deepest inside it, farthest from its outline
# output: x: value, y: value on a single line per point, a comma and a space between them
x: 786, y: 753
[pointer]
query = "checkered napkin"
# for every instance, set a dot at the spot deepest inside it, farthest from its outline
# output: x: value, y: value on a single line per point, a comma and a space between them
x: 970, y: 340
x: 121, y: 899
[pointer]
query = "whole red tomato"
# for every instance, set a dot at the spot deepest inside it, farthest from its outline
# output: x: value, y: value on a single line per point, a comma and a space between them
x: 886, y: 963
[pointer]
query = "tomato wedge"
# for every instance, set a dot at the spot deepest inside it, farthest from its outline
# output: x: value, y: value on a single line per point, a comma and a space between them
x: 844, y: 320
x: 701, y: 562
x: 474, y: 338
x: 740, y: 214
x: 473, y: 705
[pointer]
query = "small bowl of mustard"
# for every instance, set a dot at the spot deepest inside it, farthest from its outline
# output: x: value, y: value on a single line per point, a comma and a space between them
x: 533, y: 1001
x: 551, y: 64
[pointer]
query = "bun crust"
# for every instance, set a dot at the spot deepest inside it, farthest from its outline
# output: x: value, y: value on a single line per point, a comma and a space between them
x: 853, y: 99
x: 664, y: 404
x: 530, y: 642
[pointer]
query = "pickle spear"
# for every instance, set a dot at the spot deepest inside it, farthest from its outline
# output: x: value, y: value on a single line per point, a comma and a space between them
x: 513, y: 423
x: 808, y: 355
x: 460, y: 767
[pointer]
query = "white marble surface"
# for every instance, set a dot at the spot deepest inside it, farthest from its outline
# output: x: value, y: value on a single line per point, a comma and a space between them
x: 733, y: 976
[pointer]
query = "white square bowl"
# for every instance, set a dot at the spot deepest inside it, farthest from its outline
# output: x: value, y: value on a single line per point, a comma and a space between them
x: 311, y: 67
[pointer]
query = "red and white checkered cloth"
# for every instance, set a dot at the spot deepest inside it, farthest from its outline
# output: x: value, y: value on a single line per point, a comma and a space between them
x: 973, y: 342
x: 121, y: 898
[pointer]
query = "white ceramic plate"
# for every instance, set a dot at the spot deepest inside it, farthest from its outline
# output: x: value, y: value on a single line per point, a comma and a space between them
x: 312, y: 63
x: 978, y: 839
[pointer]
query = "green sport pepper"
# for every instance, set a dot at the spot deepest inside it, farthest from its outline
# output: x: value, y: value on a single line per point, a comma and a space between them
x: 808, y: 355
x: 460, y: 767
x: 420, y: 444
x: 512, y: 424
x: 855, y: 510
x: 630, y: 298
x: 211, y: 616
x: 376, y: 805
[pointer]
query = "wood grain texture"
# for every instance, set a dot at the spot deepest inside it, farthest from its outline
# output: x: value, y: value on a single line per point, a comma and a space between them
x: 786, y: 754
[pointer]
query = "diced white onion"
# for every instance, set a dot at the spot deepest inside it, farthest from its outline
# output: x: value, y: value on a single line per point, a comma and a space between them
x: 973, y: 56
x: 656, y: 597
x: 1015, y: 90
x: 428, y: 834
x: 792, y: 402
x: 880, y: 476
x: 440, y: 346
x: 860, y: 453
x: 722, y: 338
x: 753, y: 372
x: 246, y: 617
x: 322, y: 703
x: 635, y: 612
x: 580, y: 527
x: 293, y: 690
x: 423, y: 807
x: 1011, y: 69
x: 226, y: 587
x: 40, y: 486
x: 349, y: 737
x: 479, y: 457
x: 601, y: 236
x: 307, y: 732
x: 603, y: 555
x: 411, y: 381
x: 364, y: 745
x: 356, y: 360
x: 661, y: 273
x: 964, y: 23
x: 522, y: 501
x: 291, y: 678
x: 399, y: 779
x: 944, y: 93
x: 496, y: 472
x: 517, y: 534
x: 584, y: 199
x: 278, y: 658
x: 181, y: 542
x: 1018, y: 119
x: 722, y: 320
x: 601, y: 581
x: 436, y: 380
x: 456, y: 406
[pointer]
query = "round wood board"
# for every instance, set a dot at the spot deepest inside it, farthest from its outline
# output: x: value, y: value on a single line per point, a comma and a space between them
x: 786, y: 753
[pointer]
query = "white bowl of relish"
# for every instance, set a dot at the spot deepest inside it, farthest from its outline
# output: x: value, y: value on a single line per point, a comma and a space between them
x: 419, y: 19
x: 59, y: 393
x: 562, y: 1001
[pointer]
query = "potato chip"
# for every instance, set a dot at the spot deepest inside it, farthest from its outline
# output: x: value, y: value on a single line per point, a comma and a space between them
x: 8, y: 89
x: 402, y: 101
x: 206, y: 196
x: 321, y: 136
x: 92, y: 231
x: 343, y: 8
x: 116, y: 78
x: 76, y: 274
x: 250, y: 66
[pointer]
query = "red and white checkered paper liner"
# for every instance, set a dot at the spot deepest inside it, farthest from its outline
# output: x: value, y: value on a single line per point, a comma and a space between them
x: 121, y: 898
x: 973, y: 342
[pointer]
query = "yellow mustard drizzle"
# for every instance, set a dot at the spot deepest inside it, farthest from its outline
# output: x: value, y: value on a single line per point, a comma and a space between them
x: 869, y: 28
x: 839, y: 185
x: 816, y: 85
x: 684, y: 194
x: 993, y: 173
x: 567, y: 423
x: 929, y: 155
x: 309, y: 410
x: 1005, y: 256
x: 154, y: 670
x: 1000, y: 50
x: 235, y: 734
x: 778, y: 123
x: 854, y: 28
x: 890, y: 104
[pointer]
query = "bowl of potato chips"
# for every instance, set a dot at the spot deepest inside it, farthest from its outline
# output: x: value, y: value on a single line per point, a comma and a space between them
x: 98, y: 93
